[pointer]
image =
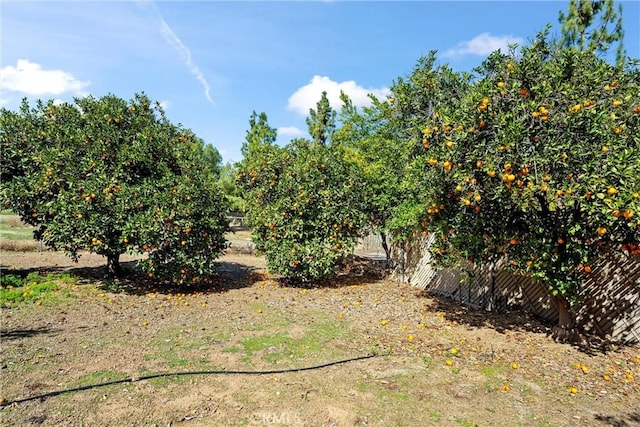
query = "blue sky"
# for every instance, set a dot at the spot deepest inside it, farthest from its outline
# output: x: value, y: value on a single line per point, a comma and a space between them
x: 212, y: 63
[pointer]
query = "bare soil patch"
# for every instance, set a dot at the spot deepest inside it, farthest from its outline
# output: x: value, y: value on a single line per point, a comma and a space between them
x: 436, y: 363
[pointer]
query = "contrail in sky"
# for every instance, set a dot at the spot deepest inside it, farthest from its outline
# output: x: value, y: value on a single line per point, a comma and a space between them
x: 184, y: 52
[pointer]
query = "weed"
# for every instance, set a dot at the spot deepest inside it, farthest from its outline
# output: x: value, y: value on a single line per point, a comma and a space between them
x: 434, y: 416
x: 428, y: 362
x: 36, y: 288
x: 12, y: 280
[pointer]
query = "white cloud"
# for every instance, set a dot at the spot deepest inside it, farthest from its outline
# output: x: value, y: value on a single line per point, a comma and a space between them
x: 290, y: 131
x: 185, y: 54
x: 308, y: 95
x: 165, y: 104
x: 172, y: 38
x: 483, y: 44
x: 4, y: 102
x: 30, y: 78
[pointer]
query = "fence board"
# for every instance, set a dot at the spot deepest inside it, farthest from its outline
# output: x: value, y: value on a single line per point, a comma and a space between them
x: 611, y: 295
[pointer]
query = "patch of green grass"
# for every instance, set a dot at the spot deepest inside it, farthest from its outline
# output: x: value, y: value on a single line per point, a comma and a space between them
x: 97, y: 378
x: 174, y: 348
x: 12, y: 229
x: 165, y: 380
x: 280, y: 345
x: 36, y: 288
x: 491, y: 371
x: 434, y: 416
x: 464, y: 423
x: 494, y: 374
x: 175, y: 359
x: 428, y: 362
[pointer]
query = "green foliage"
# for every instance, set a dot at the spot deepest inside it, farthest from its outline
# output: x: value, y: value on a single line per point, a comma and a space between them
x: 229, y: 187
x: 536, y: 164
x: 12, y: 280
x: 304, y: 206
x: 114, y: 177
x: 213, y: 159
x: 587, y: 26
x: 429, y: 87
x: 372, y: 144
x: 322, y: 121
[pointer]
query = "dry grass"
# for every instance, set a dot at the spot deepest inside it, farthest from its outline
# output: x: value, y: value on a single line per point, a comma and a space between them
x: 13, y: 221
x: 19, y: 245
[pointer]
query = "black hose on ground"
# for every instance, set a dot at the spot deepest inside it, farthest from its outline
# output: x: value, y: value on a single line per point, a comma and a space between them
x: 180, y: 374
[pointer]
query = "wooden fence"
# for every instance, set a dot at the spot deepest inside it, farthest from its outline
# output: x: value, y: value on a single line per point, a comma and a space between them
x: 611, y: 297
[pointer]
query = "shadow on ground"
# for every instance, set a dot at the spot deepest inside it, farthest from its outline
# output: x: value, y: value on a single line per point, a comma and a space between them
x: 25, y: 333
x: 628, y: 420
x: 457, y: 312
x: 516, y: 320
x: 230, y: 276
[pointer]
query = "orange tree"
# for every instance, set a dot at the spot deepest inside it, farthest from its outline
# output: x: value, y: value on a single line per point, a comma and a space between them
x: 538, y: 164
x: 113, y: 177
x: 303, y: 204
x: 377, y: 151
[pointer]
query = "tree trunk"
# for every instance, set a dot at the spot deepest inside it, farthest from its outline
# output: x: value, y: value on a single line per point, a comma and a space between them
x: 113, y: 265
x: 565, y: 330
x: 385, y: 246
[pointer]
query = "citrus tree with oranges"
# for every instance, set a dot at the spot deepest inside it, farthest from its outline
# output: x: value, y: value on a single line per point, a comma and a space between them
x: 113, y: 177
x: 304, y: 206
x: 538, y: 165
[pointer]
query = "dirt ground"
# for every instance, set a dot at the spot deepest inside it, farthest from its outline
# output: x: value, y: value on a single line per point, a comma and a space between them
x: 434, y: 362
